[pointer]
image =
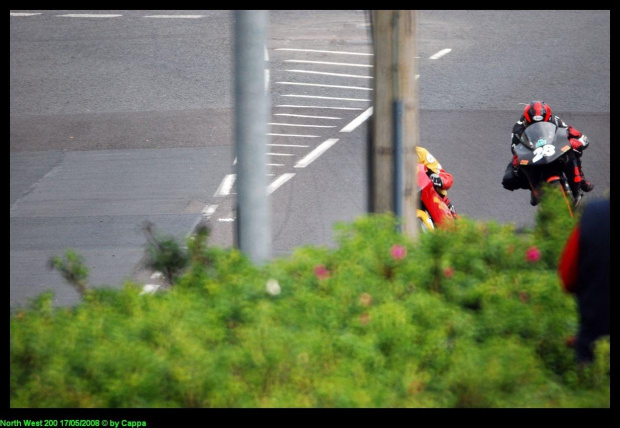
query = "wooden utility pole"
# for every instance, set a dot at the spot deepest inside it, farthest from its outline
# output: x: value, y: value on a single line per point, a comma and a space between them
x: 394, y: 131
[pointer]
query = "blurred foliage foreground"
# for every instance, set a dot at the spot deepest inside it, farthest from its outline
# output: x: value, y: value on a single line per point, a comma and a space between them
x: 469, y: 317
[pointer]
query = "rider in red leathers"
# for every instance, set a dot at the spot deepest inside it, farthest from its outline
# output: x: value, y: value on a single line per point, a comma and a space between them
x: 441, y: 179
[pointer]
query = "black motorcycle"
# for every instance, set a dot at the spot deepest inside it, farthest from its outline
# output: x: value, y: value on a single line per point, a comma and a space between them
x: 545, y: 156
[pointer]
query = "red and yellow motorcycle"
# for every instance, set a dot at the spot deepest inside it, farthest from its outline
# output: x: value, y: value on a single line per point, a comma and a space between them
x: 432, y: 210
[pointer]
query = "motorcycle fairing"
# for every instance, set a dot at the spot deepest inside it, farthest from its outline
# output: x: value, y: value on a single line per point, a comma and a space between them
x: 542, y: 143
x: 435, y: 205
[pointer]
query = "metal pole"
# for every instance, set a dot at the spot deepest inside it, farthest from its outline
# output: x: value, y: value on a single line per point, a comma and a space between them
x: 252, y: 108
x: 399, y: 163
x: 398, y: 115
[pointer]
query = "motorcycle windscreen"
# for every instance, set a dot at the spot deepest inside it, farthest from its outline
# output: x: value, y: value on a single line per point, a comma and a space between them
x: 538, y: 134
x: 423, y: 180
x: 541, y: 143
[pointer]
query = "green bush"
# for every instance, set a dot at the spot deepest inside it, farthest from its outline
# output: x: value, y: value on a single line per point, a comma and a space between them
x: 469, y: 317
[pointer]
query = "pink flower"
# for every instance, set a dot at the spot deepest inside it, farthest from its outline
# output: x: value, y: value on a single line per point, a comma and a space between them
x: 448, y: 272
x: 532, y: 254
x: 321, y: 272
x: 366, y: 299
x: 398, y: 252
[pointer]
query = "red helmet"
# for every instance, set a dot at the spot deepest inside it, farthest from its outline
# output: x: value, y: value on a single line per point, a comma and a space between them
x: 537, y: 111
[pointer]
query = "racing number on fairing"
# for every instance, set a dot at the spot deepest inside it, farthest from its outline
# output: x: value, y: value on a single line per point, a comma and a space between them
x: 546, y: 150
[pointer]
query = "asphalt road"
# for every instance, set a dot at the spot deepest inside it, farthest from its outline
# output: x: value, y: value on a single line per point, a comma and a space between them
x: 120, y: 119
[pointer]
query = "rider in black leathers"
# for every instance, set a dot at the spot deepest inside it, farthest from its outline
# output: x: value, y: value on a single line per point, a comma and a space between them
x: 538, y: 111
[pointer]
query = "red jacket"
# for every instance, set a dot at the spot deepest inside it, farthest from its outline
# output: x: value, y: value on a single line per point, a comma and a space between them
x: 567, y: 268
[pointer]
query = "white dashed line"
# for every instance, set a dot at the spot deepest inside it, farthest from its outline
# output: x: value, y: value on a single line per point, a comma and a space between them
x: 308, y: 116
x: 24, y: 14
x: 325, y: 98
x: 345, y: 64
x: 331, y: 52
x: 89, y: 15
x: 323, y: 107
x: 440, y: 54
x: 303, y: 126
x: 295, y: 135
x: 314, y: 154
x: 226, y: 185
x: 279, y: 182
x: 208, y: 211
x: 330, y: 74
x: 174, y: 16
x: 326, y: 86
x: 357, y: 121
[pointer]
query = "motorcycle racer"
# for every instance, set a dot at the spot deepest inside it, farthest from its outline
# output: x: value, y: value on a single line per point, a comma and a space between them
x: 538, y: 111
x: 441, y: 179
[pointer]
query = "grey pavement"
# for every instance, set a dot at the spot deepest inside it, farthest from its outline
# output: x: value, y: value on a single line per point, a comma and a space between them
x: 95, y: 202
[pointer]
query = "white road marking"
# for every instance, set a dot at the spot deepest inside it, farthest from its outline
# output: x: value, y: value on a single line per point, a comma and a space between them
x: 295, y: 135
x: 287, y: 145
x: 323, y: 107
x: 279, y: 182
x: 440, y: 54
x: 330, y: 74
x: 174, y: 16
x: 24, y: 14
x: 325, y: 86
x: 314, y: 154
x: 357, y: 121
x: 325, y: 98
x: 346, y: 64
x: 304, y: 126
x: 90, y: 15
x: 208, y: 211
x: 225, y: 219
x: 332, y: 52
x: 226, y: 185
x: 303, y: 115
